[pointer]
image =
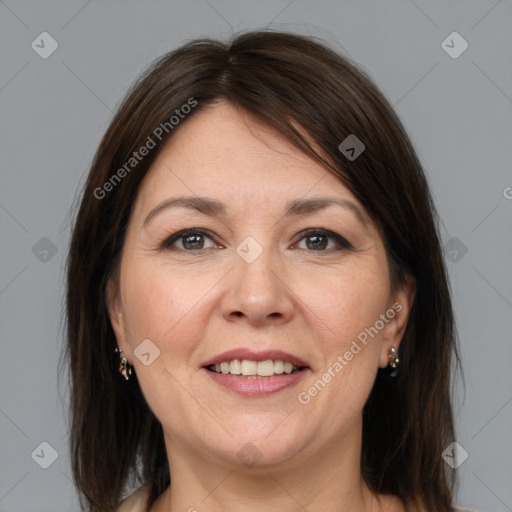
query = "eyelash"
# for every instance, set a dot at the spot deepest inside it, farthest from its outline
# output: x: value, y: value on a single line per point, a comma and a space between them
x: 343, y: 244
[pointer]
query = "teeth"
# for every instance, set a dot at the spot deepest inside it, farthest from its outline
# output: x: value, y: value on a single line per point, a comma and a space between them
x: 278, y: 367
x: 250, y: 368
x: 235, y: 367
x: 266, y: 368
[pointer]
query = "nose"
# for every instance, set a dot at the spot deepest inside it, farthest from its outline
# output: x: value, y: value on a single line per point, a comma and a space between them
x: 257, y: 293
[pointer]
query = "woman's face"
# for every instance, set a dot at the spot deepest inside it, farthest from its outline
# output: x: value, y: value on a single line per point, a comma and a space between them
x: 258, y: 273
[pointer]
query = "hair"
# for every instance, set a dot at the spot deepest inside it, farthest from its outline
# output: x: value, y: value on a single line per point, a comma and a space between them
x: 314, y: 98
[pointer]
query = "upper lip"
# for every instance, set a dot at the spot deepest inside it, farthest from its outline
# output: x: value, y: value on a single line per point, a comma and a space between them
x: 246, y: 353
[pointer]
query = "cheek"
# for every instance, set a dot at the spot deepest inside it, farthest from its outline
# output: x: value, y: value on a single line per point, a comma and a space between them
x: 350, y: 308
x: 150, y: 306
x: 167, y: 309
x: 165, y: 306
x: 348, y: 302
x: 351, y: 305
x: 147, y: 295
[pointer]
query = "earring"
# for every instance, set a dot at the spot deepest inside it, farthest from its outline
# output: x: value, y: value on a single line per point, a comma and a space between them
x: 125, y: 368
x: 394, y: 360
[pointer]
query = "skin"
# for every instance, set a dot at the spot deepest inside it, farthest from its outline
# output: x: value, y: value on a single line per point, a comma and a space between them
x: 198, y: 302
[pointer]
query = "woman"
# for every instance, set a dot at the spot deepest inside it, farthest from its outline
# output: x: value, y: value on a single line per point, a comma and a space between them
x: 258, y: 309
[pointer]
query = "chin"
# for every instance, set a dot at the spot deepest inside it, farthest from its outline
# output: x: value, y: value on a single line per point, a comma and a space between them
x: 260, y: 441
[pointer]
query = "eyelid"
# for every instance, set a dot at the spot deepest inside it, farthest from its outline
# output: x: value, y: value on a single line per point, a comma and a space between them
x: 342, y: 242
x: 167, y: 242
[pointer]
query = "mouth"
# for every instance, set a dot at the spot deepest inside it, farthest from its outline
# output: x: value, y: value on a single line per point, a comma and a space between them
x: 256, y: 373
x: 251, y: 368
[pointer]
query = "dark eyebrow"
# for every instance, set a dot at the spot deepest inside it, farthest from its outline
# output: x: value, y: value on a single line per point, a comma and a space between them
x: 213, y: 207
x: 304, y: 206
x: 202, y: 204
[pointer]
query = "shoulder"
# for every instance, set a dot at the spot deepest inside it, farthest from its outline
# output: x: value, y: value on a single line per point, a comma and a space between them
x: 136, y: 502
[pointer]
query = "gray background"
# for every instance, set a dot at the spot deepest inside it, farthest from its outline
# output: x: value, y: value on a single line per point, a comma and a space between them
x: 55, y: 110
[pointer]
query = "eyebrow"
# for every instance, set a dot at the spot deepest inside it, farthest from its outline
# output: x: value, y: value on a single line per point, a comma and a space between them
x: 212, y: 207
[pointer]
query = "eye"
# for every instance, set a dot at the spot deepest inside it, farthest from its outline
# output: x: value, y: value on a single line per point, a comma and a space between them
x: 189, y: 240
x: 322, y: 240
x: 195, y: 240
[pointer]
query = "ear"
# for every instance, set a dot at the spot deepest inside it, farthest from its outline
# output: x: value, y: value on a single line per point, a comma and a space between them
x: 399, y: 307
x: 115, y: 313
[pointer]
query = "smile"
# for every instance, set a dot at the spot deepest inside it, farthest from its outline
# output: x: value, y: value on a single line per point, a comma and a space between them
x: 250, y: 373
x: 248, y: 368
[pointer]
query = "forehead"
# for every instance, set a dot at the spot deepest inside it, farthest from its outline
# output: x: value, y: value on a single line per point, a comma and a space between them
x: 228, y: 153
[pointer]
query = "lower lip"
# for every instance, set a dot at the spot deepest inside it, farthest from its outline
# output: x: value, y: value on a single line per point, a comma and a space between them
x: 259, y: 386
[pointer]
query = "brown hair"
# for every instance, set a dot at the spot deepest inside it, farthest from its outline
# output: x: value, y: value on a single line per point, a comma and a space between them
x: 287, y: 81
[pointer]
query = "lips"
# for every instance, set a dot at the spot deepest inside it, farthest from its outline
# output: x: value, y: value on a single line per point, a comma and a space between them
x: 251, y: 373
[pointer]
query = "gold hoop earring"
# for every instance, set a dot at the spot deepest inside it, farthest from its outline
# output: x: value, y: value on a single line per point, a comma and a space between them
x: 125, y: 368
x: 393, y: 358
